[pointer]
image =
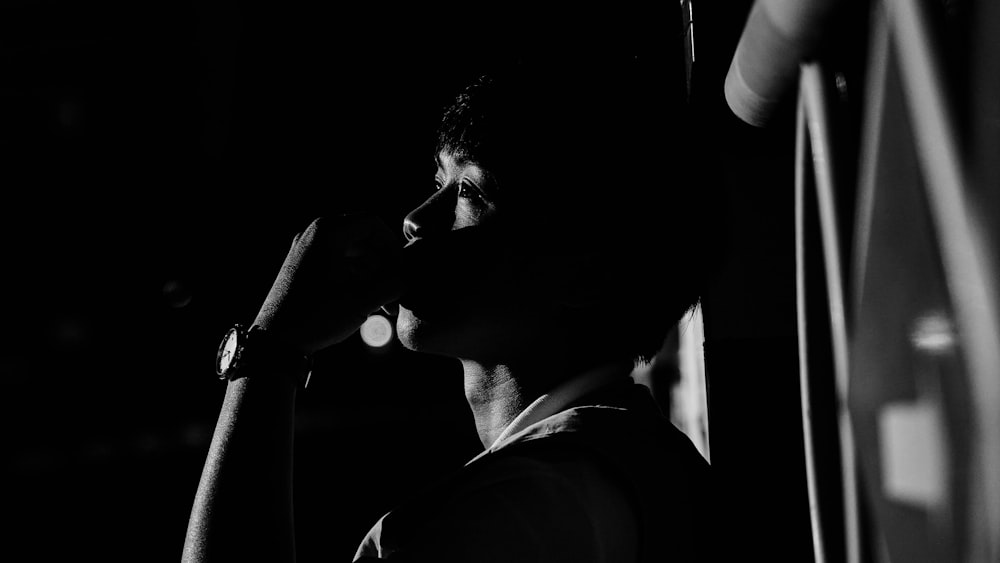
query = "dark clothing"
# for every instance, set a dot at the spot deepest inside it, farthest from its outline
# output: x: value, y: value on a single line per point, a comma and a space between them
x: 608, y: 479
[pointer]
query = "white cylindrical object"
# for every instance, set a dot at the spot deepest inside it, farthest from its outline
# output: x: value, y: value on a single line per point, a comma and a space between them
x: 778, y: 36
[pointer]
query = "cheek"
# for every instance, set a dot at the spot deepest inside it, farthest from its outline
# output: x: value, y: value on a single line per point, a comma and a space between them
x: 466, y: 214
x: 473, y: 212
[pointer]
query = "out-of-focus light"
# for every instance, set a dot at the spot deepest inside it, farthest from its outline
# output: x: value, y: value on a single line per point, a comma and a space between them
x: 68, y: 114
x: 176, y: 294
x: 376, y: 331
x: 70, y: 333
x: 933, y: 333
x: 196, y: 435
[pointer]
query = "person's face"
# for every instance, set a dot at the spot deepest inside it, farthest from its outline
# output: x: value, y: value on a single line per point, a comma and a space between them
x: 468, y: 293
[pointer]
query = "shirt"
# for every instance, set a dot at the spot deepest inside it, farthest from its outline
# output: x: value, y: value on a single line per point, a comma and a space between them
x: 558, y: 399
x: 590, y: 472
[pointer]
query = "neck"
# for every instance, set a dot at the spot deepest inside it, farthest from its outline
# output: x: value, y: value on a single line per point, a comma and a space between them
x: 498, y: 392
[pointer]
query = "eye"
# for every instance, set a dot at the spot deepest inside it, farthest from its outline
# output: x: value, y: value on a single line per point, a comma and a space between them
x: 470, y: 191
x: 437, y: 185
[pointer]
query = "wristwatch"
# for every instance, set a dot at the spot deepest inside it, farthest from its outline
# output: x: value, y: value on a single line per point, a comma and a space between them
x: 252, y: 351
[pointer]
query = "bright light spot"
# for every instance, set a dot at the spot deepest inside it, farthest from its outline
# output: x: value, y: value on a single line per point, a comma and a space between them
x: 377, y: 331
x: 933, y: 334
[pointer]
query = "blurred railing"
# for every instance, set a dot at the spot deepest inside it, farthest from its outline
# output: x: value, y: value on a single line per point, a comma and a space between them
x: 908, y: 253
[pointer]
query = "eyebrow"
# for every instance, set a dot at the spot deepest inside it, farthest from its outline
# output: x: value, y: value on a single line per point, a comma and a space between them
x: 460, y: 160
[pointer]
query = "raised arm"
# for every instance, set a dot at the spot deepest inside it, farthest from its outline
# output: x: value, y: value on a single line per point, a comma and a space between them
x: 335, y: 274
x: 243, y: 507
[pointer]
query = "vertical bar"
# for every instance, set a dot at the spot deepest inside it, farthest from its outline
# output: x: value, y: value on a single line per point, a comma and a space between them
x: 969, y: 267
x: 687, y: 30
x: 801, y: 169
x: 817, y: 111
x: 871, y: 119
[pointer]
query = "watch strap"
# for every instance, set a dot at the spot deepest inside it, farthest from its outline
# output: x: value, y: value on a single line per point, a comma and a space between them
x: 258, y: 352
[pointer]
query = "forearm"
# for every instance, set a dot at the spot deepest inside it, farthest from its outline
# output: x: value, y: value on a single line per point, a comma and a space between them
x: 243, y: 507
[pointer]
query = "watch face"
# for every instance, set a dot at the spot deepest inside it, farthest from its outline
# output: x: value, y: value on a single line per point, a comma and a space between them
x: 227, y: 352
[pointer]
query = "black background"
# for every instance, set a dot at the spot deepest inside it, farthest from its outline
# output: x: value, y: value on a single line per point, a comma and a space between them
x: 157, y: 161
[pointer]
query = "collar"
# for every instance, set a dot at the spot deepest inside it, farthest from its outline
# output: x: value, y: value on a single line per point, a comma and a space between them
x: 559, y: 399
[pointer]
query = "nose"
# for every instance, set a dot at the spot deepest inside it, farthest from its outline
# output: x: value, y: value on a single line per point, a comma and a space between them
x: 435, y: 215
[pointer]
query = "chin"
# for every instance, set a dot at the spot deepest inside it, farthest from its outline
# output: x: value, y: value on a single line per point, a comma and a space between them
x: 441, y: 336
x: 465, y: 336
x: 408, y: 328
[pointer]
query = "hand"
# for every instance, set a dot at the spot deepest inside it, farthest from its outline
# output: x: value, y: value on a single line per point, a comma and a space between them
x: 338, y: 271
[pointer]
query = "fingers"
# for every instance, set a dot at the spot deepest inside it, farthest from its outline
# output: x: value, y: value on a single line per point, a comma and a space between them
x: 365, y: 234
x: 337, y: 271
x: 350, y: 234
x: 356, y: 238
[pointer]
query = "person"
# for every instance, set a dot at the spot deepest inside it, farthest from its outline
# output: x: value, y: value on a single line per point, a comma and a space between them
x: 565, y: 236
